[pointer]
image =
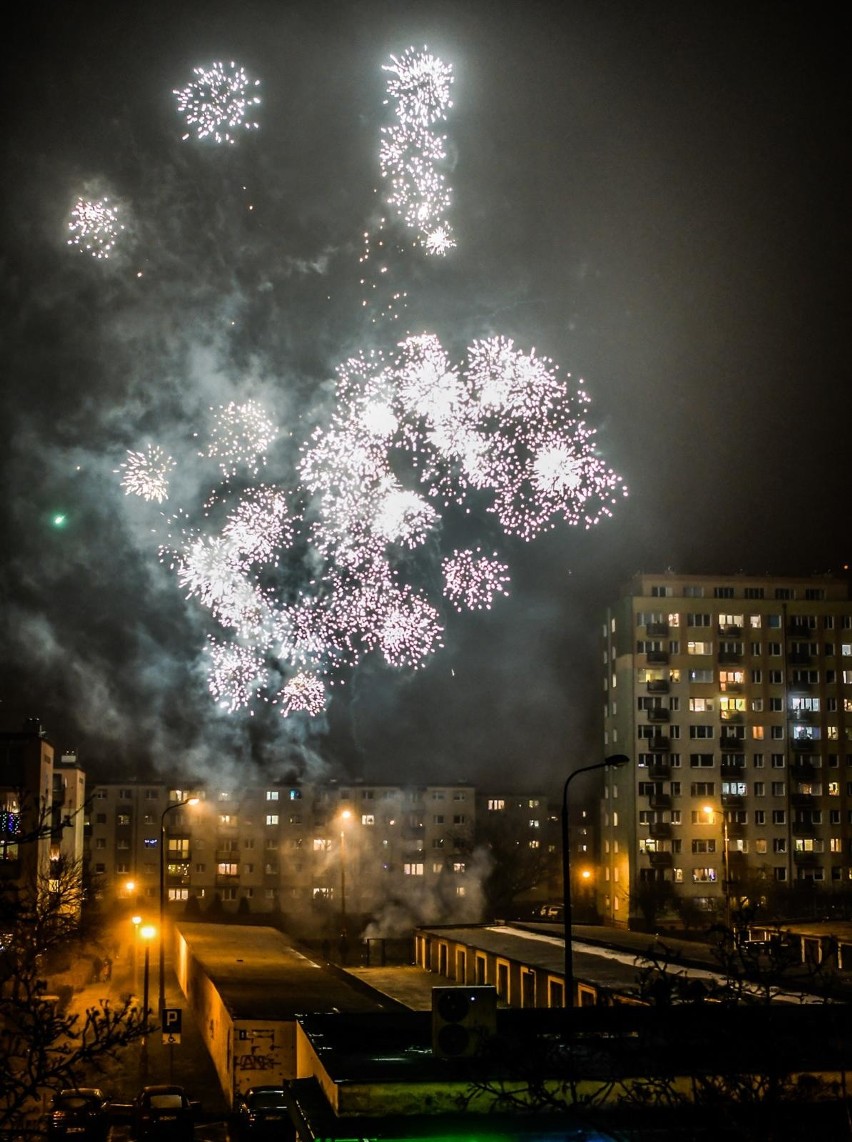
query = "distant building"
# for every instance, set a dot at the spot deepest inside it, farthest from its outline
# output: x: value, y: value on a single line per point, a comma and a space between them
x: 41, y: 812
x: 330, y: 847
x: 733, y: 696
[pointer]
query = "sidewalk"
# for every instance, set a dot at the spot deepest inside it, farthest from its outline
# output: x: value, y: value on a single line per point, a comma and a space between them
x: 187, y: 1063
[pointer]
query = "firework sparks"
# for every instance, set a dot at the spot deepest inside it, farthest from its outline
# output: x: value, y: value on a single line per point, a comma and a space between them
x: 217, y: 102
x: 411, y: 153
x: 237, y: 675
x: 303, y: 692
x: 471, y: 579
x: 240, y: 436
x: 307, y: 579
x: 146, y: 474
x: 94, y: 227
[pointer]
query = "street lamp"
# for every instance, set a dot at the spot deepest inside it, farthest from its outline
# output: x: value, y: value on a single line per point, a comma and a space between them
x: 147, y: 933
x: 135, y: 921
x: 608, y: 763
x: 344, y: 817
x: 168, y: 809
x: 710, y: 810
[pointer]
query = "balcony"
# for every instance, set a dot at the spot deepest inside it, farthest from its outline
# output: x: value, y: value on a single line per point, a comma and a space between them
x: 731, y: 631
x: 660, y: 860
x: 730, y: 657
x: 729, y: 741
x: 658, y: 685
x: 657, y: 630
x: 732, y: 801
x: 660, y: 801
x: 800, y: 658
x: 659, y: 744
x: 732, y: 717
x: 803, y: 829
x: 227, y: 879
x: 803, y: 717
x: 660, y: 771
x: 731, y: 768
x: 804, y: 745
x: 659, y: 830
x: 657, y: 657
x: 800, y: 630
x: 801, y: 800
x: 803, y: 770
x: 805, y: 857
x: 229, y: 856
x: 658, y: 714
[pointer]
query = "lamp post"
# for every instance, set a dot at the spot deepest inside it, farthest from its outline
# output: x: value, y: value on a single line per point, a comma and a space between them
x: 608, y: 763
x: 710, y: 810
x: 147, y: 932
x: 135, y: 921
x: 344, y: 817
x: 168, y: 809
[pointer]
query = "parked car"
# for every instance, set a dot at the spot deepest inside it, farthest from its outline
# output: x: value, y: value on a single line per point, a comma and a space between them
x: 163, y: 1110
x: 82, y: 1113
x: 552, y: 911
x: 261, y: 1112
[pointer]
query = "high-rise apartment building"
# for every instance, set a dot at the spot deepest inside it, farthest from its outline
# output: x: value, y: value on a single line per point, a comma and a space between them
x: 732, y: 695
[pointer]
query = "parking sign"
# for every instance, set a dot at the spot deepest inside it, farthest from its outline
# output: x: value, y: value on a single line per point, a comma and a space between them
x: 172, y: 1024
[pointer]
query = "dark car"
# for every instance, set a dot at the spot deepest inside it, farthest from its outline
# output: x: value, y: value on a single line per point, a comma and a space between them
x: 164, y: 1110
x: 261, y: 1112
x: 80, y: 1113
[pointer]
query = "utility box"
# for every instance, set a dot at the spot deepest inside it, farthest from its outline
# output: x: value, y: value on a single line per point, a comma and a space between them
x: 463, y: 1020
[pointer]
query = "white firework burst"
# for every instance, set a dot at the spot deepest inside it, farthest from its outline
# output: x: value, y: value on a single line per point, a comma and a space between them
x: 146, y: 474
x: 303, y: 692
x: 218, y: 101
x: 471, y: 579
x: 94, y: 227
x: 237, y: 674
x: 240, y: 436
x: 439, y: 240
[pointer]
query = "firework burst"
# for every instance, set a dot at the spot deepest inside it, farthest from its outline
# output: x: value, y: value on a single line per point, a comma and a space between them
x: 308, y: 577
x: 217, y: 102
x: 471, y: 579
x: 303, y: 692
x: 94, y: 227
x: 240, y: 436
x: 146, y: 474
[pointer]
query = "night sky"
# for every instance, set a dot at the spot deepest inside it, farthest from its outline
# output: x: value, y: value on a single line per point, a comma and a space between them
x: 656, y: 196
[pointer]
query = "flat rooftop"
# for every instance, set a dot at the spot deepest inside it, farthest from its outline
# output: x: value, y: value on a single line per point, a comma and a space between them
x: 261, y: 974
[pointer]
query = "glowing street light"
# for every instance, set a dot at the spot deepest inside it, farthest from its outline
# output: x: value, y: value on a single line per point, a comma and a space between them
x: 616, y: 760
x: 168, y: 809
x: 711, y: 811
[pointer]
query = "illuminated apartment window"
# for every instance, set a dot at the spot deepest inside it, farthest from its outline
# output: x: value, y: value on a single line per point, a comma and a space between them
x: 413, y: 869
x: 272, y: 818
x: 271, y: 794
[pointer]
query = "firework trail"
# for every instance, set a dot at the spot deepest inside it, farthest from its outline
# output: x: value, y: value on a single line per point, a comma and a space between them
x: 216, y: 103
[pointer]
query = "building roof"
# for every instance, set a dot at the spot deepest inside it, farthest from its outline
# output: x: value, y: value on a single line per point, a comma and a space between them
x: 261, y: 974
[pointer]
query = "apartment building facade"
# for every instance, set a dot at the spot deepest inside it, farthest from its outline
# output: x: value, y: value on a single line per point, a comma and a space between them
x: 41, y: 815
x: 733, y: 696
x: 290, y: 847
